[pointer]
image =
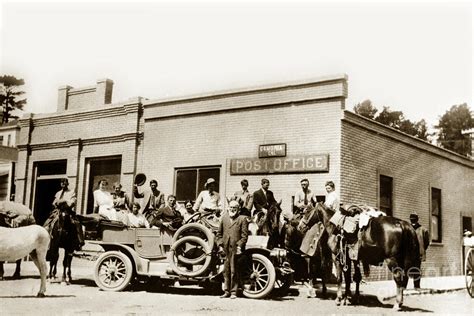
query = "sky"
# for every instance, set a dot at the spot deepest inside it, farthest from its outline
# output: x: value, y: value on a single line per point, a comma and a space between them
x: 412, y: 56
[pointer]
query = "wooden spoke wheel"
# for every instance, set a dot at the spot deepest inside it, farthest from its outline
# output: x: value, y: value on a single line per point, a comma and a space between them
x: 258, y: 277
x: 113, y: 271
x: 469, y: 268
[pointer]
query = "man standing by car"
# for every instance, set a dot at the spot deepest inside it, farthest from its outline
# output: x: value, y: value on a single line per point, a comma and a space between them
x: 231, y: 239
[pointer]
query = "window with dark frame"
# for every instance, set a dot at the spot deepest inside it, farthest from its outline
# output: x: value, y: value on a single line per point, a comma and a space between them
x: 436, y: 231
x: 385, y: 194
x: 190, y: 181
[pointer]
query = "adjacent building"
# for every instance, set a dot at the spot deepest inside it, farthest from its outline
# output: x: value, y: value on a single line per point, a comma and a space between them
x: 9, y: 133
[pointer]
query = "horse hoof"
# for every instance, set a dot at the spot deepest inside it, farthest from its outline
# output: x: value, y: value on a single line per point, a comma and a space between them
x: 40, y: 294
x: 397, y: 307
x: 338, y: 301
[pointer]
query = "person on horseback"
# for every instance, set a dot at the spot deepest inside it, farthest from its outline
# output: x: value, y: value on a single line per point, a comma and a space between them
x: 208, y: 199
x: 303, y: 197
x: 423, y: 236
x: 263, y: 198
x: 65, y: 200
x: 244, y: 198
x: 332, y: 200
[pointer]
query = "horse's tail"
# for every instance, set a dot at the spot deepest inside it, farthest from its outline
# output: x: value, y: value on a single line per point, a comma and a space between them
x: 410, y: 248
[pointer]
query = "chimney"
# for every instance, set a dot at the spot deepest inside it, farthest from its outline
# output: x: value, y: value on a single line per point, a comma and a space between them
x: 63, y: 92
x: 104, y: 91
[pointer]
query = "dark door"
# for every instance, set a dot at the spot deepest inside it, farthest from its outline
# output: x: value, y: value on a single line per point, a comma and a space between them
x: 44, y: 197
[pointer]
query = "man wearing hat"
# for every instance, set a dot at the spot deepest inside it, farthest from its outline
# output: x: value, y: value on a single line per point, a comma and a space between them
x: 208, y: 199
x: 65, y: 200
x: 424, y: 241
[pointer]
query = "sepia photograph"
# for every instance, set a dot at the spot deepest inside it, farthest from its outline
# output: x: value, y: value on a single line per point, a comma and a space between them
x: 236, y: 157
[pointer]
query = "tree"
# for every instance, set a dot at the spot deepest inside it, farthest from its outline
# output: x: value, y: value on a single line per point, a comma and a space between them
x: 451, y: 124
x: 9, y: 96
x: 391, y: 118
x: 365, y: 108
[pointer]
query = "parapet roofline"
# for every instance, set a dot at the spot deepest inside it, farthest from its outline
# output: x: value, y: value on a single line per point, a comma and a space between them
x: 389, y: 131
x: 250, y: 89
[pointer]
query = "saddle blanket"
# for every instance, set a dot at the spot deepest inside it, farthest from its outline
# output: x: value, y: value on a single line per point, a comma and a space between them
x: 367, y: 214
x: 310, y: 240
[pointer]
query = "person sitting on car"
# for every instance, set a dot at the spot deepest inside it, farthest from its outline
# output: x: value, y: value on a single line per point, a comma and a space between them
x: 136, y: 219
x: 168, y: 217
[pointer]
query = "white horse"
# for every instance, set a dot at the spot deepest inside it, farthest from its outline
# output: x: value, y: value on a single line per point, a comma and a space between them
x: 17, y: 243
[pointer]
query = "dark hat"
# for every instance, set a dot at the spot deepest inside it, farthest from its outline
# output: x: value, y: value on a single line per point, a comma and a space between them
x: 209, y: 181
x: 413, y: 214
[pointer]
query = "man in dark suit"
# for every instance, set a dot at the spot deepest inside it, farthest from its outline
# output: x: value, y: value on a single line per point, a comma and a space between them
x: 231, y: 239
x: 168, y: 217
x: 152, y: 200
x: 263, y: 198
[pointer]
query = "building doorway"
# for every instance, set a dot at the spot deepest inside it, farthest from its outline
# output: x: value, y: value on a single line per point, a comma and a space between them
x: 107, y: 168
x: 48, y: 177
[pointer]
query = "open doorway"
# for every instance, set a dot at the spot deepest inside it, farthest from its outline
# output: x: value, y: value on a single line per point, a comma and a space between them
x: 108, y: 168
x: 48, y: 177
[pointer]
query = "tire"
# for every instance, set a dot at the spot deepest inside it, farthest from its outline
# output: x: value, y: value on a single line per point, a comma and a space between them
x: 259, y: 278
x: 194, y: 229
x: 469, y: 270
x: 113, y: 271
x: 174, y: 258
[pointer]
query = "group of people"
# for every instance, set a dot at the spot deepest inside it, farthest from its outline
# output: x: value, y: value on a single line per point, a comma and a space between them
x: 155, y: 212
x: 152, y: 212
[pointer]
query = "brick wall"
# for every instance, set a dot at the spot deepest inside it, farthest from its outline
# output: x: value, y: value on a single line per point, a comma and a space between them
x: 78, y: 136
x: 213, y: 139
x: 369, y: 149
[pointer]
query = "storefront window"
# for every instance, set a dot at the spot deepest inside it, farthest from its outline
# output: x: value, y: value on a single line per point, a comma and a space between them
x: 436, y: 214
x: 190, y: 181
x: 385, y: 195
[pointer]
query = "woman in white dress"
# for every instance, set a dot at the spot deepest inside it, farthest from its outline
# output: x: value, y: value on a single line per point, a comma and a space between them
x: 103, y: 202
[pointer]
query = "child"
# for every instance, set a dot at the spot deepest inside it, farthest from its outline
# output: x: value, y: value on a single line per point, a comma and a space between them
x: 231, y: 239
x: 136, y: 219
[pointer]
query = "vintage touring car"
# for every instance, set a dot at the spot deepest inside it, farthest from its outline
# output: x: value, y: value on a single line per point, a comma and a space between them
x: 188, y: 255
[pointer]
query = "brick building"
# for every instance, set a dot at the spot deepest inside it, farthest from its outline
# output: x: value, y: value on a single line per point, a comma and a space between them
x: 9, y: 133
x: 284, y: 132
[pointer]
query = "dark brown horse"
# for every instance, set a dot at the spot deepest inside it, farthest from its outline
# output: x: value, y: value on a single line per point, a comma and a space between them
x: 269, y: 225
x: 385, y: 239
x: 63, y: 235
x: 309, y: 256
